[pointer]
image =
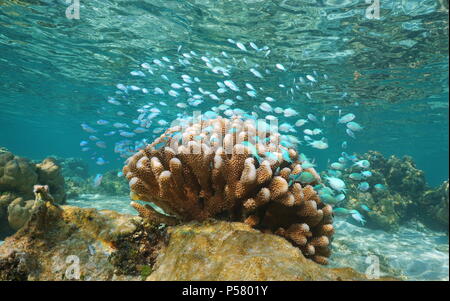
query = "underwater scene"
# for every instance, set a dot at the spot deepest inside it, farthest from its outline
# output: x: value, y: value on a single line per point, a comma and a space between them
x: 224, y: 140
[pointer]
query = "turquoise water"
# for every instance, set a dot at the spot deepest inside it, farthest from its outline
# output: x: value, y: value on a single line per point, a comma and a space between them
x: 58, y: 75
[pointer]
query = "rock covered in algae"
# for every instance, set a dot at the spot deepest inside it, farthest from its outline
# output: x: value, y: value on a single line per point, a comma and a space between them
x: 76, y: 173
x: 434, y: 206
x: 17, y: 177
x: 73, y: 167
x: 235, y: 169
x: 70, y: 243
x: 396, y: 200
x: 218, y: 250
x: 19, y: 212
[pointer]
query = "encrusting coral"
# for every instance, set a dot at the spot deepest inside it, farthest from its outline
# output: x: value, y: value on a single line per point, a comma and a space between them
x: 232, y: 169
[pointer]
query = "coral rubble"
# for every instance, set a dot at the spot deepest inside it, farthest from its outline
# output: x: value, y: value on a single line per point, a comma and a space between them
x: 236, y: 170
x: 17, y: 178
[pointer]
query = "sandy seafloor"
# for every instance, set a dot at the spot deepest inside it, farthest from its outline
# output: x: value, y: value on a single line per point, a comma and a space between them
x: 411, y: 253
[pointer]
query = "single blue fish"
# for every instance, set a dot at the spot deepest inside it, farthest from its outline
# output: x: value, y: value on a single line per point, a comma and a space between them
x: 341, y: 211
x: 362, y: 164
x: 111, y: 133
x: 353, y: 126
x: 127, y: 134
x: 102, y: 122
x: 312, y: 117
x: 101, y: 161
x: 366, y: 173
x: 340, y: 197
x: 363, y: 186
x: 303, y: 157
x: 286, y: 156
x: 286, y: 144
x: 356, y: 176
x: 100, y: 144
x: 337, y: 165
x: 98, y: 180
x: 365, y: 208
x: 306, y: 177
x: 357, y: 216
x: 379, y: 187
x: 87, y: 128
x: 324, y: 189
x: 350, y: 133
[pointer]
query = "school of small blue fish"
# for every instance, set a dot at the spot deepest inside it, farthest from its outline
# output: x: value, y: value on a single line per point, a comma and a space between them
x: 170, y: 88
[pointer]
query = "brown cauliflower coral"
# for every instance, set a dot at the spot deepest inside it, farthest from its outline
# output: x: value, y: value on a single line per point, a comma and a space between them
x: 234, y: 169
